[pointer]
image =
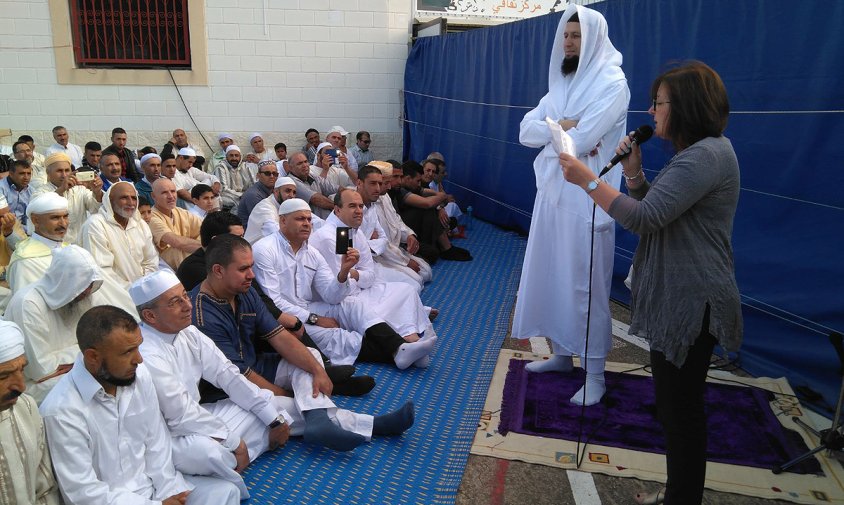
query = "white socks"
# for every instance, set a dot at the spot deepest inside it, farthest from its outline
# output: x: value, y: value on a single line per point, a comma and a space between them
x: 556, y: 363
x: 411, y: 352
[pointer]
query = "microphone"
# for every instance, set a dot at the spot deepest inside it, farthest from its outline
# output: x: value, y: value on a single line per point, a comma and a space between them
x: 640, y: 136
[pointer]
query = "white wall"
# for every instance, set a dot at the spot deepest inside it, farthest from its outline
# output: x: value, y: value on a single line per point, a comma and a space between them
x: 320, y: 63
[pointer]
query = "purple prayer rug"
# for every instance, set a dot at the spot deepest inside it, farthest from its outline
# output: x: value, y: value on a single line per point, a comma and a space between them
x: 743, y: 429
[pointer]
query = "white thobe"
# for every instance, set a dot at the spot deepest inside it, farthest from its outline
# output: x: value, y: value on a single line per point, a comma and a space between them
x: 263, y: 221
x: 397, y: 232
x: 396, y: 302
x: 378, y: 246
x: 191, y: 177
x: 301, y: 283
x: 115, y: 450
x: 80, y: 202
x: 336, y: 176
x: 73, y: 151
x: 124, y: 254
x: 26, y: 472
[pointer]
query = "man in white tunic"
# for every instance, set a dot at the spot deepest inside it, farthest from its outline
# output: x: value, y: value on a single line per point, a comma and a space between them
x: 263, y: 221
x: 337, y: 171
x: 26, y: 472
x: 588, y: 96
x: 187, y: 176
x: 47, y: 312
x: 396, y: 302
x: 106, y: 435
x: 235, y: 177
x: 300, y: 283
x: 118, y: 239
x: 335, y: 136
x: 63, y: 145
x: 82, y: 197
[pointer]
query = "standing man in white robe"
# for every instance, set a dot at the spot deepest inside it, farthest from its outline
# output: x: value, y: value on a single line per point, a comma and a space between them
x: 118, y: 239
x: 26, y: 471
x: 588, y: 96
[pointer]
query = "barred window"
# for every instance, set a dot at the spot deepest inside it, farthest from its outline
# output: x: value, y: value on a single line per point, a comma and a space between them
x: 130, y: 33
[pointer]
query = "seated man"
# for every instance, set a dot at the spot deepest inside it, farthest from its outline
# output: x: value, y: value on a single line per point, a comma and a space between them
x: 109, y: 169
x: 369, y: 187
x: 263, y: 187
x: 264, y: 217
x: 360, y: 151
x: 396, y: 302
x: 175, y: 231
x: 17, y: 190
x: 225, y: 140
x: 407, y: 258
x: 26, y: 471
x: 336, y: 136
x: 426, y: 214
x: 336, y: 170
x: 300, y: 283
x: 192, y: 270
x: 23, y: 151
x: 314, y: 191
x: 204, y: 200
x: 151, y: 167
x: 187, y: 176
x: 127, y: 157
x: 311, y: 143
x: 47, y: 312
x: 92, y: 155
x: 63, y: 145
x: 235, y: 178
x: 117, y: 237
x: 433, y: 173
x: 293, y: 367
x: 107, y: 438
x: 82, y: 197
x: 180, y: 141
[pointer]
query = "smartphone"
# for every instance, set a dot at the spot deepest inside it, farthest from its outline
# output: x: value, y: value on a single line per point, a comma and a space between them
x: 333, y: 153
x: 85, y: 175
x: 344, y: 240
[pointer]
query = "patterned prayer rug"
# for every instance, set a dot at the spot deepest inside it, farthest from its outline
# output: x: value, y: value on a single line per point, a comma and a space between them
x: 426, y: 464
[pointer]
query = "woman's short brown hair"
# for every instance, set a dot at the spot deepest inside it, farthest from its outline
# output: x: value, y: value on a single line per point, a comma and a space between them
x: 699, y: 104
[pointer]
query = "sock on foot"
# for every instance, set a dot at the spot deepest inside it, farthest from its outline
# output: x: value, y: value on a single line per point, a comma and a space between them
x: 594, y: 390
x: 394, y: 423
x: 556, y: 363
x: 423, y: 362
x: 410, y: 352
x: 319, y: 430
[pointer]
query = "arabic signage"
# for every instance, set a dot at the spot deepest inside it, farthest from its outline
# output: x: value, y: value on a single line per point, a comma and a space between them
x: 497, y: 9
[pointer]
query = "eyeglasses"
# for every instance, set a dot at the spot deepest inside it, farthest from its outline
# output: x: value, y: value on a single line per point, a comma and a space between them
x: 177, y: 300
x: 366, y: 141
x: 269, y: 174
x: 655, y: 104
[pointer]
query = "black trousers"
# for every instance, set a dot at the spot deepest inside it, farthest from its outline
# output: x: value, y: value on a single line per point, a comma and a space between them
x: 680, y: 408
x: 426, y: 224
x: 380, y: 343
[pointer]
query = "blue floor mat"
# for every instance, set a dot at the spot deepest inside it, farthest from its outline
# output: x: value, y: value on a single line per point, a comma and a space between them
x: 426, y: 464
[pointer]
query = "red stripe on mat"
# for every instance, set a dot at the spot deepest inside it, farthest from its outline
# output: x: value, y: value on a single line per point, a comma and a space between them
x: 497, y: 496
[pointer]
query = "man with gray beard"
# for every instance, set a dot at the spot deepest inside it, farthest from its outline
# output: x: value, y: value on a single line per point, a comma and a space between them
x: 47, y: 312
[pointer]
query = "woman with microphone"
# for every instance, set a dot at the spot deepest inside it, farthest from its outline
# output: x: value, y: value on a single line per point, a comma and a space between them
x: 684, y: 293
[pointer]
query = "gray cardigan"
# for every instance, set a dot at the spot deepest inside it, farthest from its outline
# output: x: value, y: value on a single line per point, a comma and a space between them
x: 685, y: 258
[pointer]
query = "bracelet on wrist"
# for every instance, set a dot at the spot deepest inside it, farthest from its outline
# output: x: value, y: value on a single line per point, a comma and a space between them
x: 639, y: 174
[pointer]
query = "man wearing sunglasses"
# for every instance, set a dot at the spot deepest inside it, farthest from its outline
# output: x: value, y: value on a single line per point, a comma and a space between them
x: 360, y: 151
x: 266, y: 176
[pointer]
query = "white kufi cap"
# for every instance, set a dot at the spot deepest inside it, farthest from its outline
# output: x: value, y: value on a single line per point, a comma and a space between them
x: 232, y: 148
x: 148, y: 157
x: 187, y: 152
x: 11, y: 341
x: 151, y: 286
x: 254, y: 136
x: 292, y: 205
x: 284, y: 181
x: 224, y: 136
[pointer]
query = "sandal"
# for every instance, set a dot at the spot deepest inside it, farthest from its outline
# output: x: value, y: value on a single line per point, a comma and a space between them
x: 643, y: 498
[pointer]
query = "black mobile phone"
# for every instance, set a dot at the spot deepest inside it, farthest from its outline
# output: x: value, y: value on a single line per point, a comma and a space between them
x: 344, y: 240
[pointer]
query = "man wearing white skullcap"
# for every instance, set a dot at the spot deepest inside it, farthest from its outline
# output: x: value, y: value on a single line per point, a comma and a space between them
x: 259, y: 151
x: 82, y: 197
x: 235, y: 177
x: 26, y: 472
x: 107, y: 438
x: 187, y: 176
x: 47, y: 312
x: 335, y: 136
x: 263, y: 220
x: 298, y: 280
x: 225, y: 140
x: 119, y: 239
x: 334, y: 169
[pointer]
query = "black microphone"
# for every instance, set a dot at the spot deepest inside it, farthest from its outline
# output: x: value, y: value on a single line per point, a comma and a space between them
x: 640, y: 136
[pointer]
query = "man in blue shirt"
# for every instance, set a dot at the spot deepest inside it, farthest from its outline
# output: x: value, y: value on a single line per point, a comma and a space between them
x: 17, y: 190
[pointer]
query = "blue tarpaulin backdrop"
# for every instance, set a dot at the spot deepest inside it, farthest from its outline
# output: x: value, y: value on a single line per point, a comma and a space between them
x: 466, y: 93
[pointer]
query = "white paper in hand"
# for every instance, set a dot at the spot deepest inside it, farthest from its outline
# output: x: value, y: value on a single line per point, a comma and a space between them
x: 562, y: 141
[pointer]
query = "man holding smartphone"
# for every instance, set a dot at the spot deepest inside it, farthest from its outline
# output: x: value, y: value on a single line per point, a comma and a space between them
x: 82, y: 197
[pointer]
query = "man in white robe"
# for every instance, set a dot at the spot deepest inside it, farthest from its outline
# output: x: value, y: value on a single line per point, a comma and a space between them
x: 82, y: 197
x: 47, y: 312
x: 187, y: 176
x: 26, y: 471
x: 118, y: 239
x: 225, y: 140
x: 336, y: 136
x: 107, y: 437
x: 337, y: 171
x: 396, y: 302
x: 398, y: 233
x: 300, y: 283
x: 588, y: 96
x: 263, y: 221
x: 235, y: 178
x: 63, y: 145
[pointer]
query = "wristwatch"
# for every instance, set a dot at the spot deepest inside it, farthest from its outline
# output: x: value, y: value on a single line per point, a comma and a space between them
x: 592, y: 186
x: 297, y: 326
x: 279, y: 421
x: 313, y: 318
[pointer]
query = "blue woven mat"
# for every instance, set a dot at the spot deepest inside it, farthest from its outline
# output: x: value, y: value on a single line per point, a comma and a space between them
x: 426, y: 464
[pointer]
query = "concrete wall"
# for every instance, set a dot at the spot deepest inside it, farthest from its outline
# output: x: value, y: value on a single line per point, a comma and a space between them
x: 278, y: 70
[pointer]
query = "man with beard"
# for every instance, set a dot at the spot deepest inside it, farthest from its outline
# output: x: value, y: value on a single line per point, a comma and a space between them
x: 234, y: 176
x: 263, y: 187
x: 110, y: 169
x: 118, y: 239
x: 263, y: 220
x: 588, y: 96
x: 26, y: 472
x: 225, y: 140
x: 82, y: 197
x: 47, y: 312
x: 107, y: 438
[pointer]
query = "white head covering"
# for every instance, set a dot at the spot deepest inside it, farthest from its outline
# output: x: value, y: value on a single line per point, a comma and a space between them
x: 292, y: 205
x: 42, y: 204
x: 284, y: 181
x: 232, y: 147
x: 150, y: 156
x: 72, y: 270
x: 11, y: 341
x: 323, y: 145
x: 150, y: 287
x: 224, y: 136
x: 187, y: 152
x: 108, y: 208
x: 339, y: 129
x: 254, y: 136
